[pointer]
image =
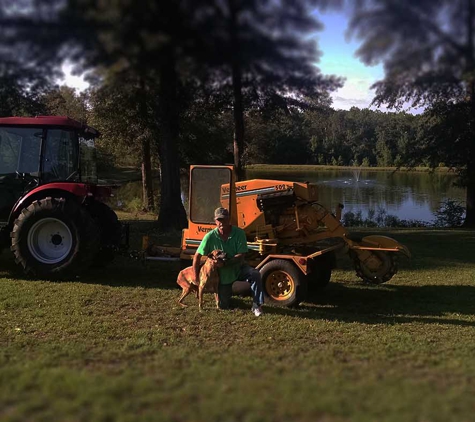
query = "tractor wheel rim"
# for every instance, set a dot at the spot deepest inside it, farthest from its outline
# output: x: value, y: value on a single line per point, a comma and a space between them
x: 280, y: 285
x: 50, y: 240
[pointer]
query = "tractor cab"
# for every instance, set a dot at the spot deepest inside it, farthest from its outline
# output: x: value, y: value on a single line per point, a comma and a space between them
x: 40, y: 150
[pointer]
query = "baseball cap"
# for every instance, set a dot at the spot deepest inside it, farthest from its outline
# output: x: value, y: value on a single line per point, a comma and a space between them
x: 221, y: 213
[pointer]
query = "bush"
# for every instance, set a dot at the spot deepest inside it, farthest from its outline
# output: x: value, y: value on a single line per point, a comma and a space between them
x: 134, y: 205
x: 378, y: 219
x: 450, y: 214
x: 350, y: 219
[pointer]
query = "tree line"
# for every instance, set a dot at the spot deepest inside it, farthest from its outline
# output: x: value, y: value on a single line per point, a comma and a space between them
x: 322, y: 136
x: 236, y: 80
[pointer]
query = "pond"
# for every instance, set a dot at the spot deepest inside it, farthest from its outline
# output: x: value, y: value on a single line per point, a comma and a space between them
x: 408, y: 195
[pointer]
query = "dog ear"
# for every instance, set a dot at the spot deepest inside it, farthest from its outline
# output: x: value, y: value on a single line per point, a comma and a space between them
x: 212, y: 254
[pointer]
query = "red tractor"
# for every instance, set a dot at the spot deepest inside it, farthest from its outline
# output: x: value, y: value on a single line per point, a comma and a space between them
x: 51, y: 211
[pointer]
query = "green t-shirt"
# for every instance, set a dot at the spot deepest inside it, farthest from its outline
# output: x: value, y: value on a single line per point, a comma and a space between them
x: 236, y: 244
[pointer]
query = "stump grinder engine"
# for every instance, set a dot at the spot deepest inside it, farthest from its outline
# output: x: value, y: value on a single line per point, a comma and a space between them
x: 51, y: 212
x: 291, y: 237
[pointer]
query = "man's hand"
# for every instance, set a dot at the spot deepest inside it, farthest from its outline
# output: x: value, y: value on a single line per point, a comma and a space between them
x: 239, y: 258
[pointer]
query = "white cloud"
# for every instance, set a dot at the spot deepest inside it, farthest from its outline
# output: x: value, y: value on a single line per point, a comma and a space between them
x: 355, y: 93
x: 342, y: 103
x: 71, y: 80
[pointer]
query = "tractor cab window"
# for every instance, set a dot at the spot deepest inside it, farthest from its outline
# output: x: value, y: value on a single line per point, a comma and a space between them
x: 20, y: 150
x: 88, y: 161
x: 60, y: 158
x: 206, y: 192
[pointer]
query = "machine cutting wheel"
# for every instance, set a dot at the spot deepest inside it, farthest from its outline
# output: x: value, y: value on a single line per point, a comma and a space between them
x: 378, y: 268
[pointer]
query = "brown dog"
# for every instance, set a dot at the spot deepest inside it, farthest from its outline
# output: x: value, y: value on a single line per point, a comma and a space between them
x: 208, y: 282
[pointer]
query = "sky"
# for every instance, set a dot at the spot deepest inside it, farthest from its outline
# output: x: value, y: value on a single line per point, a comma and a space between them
x: 338, y: 59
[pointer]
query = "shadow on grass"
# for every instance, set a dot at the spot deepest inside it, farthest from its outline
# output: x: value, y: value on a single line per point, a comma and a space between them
x: 122, y: 272
x: 432, y: 249
x: 389, y: 304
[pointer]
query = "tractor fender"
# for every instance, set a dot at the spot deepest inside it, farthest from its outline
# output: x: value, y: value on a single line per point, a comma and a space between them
x: 383, y: 242
x: 76, y: 191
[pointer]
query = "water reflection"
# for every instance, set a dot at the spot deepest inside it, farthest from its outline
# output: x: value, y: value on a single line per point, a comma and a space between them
x: 407, y: 195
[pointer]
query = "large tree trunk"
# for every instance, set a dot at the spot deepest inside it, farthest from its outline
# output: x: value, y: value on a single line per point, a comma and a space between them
x: 237, y: 92
x: 172, y: 214
x: 238, y: 122
x: 470, y: 198
x: 147, y: 179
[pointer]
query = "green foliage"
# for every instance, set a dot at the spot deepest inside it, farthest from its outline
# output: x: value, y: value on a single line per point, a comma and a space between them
x: 383, y: 154
x: 444, y: 136
x: 450, y: 214
x: 426, y: 58
x: 329, y: 137
x: 65, y: 101
x: 28, y: 63
x: 378, y: 218
x: 264, y: 46
x: 134, y: 205
x: 21, y: 92
x: 276, y: 138
x: 206, y: 128
x: 123, y: 112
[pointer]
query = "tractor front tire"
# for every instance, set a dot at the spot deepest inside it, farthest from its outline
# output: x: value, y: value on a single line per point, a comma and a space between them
x: 54, y: 238
x: 283, y: 283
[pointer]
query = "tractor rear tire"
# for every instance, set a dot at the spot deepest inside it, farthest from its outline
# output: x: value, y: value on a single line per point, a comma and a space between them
x: 283, y: 283
x: 54, y: 238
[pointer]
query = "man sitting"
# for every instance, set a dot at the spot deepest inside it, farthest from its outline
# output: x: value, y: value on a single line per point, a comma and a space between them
x: 231, y: 240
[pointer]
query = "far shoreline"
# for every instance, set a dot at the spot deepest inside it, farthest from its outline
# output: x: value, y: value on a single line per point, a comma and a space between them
x: 310, y: 167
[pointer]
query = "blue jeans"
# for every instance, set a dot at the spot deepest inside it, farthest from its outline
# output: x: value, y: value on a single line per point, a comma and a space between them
x: 252, y: 276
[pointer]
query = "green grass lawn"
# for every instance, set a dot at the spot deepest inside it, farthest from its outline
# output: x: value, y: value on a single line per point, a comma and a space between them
x: 115, y: 346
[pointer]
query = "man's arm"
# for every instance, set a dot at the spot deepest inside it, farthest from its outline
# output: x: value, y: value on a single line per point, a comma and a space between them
x: 241, y: 248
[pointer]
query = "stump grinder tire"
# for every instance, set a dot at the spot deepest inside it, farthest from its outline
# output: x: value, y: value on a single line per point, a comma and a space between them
x: 54, y: 238
x: 283, y: 283
x: 110, y: 233
x: 378, y: 269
